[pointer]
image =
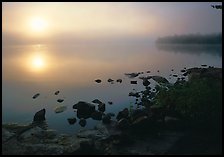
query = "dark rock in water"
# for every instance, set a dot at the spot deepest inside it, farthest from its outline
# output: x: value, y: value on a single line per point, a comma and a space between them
x: 60, y: 100
x: 36, y: 95
x: 183, y: 71
x: 96, y: 115
x: 82, y: 122
x: 174, y: 75
x: 148, y: 71
x: 102, y: 107
x: 110, y: 80
x: 123, y: 123
x: 84, y: 109
x: 134, y: 94
x: 106, y: 119
x: 71, y: 120
x: 171, y: 69
x: 123, y: 114
x: 97, y: 101
x: 110, y: 102
x: 158, y: 71
x: 203, y: 65
x: 146, y: 82
x: 148, y: 88
x: 132, y: 75
x: 57, y: 92
x: 119, y: 80
x: 98, y: 81
x: 133, y: 82
x: 39, y: 116
x: 160, y: 79
x: 185, y: 68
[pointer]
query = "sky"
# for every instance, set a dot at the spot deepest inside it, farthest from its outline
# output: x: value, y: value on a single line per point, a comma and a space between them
x: 58, y: 22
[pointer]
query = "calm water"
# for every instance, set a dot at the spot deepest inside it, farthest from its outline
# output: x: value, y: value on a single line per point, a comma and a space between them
x: 72, y: 69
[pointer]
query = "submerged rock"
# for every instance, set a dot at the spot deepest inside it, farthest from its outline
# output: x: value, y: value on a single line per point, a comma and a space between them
x: 110, y: 102
x: 98, y: 81
x: 39, y: 116
x: 57, y: 92
x: 60, y: 100
x: 36, y: 95
x: 119, y: 80
x: 160, y: 79
x: 60, y: 109
x: 133, y: 82
x: 71, y: 120
x: 82, y: 122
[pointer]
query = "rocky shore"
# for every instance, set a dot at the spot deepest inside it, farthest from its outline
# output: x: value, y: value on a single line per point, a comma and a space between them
x: 157, y: 128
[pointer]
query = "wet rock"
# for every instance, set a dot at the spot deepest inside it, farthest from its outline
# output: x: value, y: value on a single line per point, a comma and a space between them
x: 133, y: 82
x: 160, y: 79
x: 134, y: 94
x: 123, y: 114
x: 96, y: 115
x: 119, y: 80
x: 110, y: 80
x: 111, y: 114
x: 84, y: 108
x: 39, y: 116
x: 132, y: 75
x: 60, y: 108
x: 183, y: 71
x: 171, y: 69
x: 110, y: 102
x: 82, y: 122
x: 6, y: 134
x: 97, y: 101
x: 146, y: 82
x: 36, y: 95
x: 106, y: 119
x: 98, y: 81
x: 203, y: 65
x: 102, y: 107
x: 71, y: 120
x: 123, y: 123
x: 57, y: 92
x: 158, y: 71
x: 60, y: 100
x: 175, y: 75
x: 148, y: 71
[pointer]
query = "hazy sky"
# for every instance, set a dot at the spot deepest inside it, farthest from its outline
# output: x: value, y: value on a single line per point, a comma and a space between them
x: 51, y: 22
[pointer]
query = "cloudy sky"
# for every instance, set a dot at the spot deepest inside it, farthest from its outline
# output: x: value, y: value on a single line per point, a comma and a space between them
x: 50, y: 22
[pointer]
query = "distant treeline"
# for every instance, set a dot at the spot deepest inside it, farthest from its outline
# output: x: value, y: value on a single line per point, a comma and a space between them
x: 191, y: 39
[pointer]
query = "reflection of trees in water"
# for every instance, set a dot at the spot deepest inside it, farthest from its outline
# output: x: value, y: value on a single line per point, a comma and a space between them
x: 191, y: 48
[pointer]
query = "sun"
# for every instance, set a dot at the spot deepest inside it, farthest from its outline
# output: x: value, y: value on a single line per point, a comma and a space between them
x: 38, y: 24
x: 38, y: 63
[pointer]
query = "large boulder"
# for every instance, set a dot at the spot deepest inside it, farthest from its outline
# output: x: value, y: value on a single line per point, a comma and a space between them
x: 84, y: 109
x: 96, y: 115
x: 39, y: 116
x: 123, y: 114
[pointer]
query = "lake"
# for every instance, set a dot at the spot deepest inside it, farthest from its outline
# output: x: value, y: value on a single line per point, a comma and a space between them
x: 73, y: 69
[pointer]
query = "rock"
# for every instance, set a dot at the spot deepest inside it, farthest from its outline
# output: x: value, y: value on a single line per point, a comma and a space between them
x: 98, y: 81
x: 158, y: 71
x: 123, y: 114
x: 135, y: 114
x: 110, y: 80
x: 6, y: 134
x: 96, y: 115
x: 106, y: 119
x: 148, y: 71
x: 97, y: 101
x: 203, y: 65
x: 119, y: 80
x: 57, y: 92
x: 39, y: 116
x: 82, y: 122
x: 84, y: 109
x: 60, y: 108
x: 110, y: 102
x: 134, y: 94
x: 171, y: 69
x: 139, y: 120
x: 60, y: 100
x: 132, y: 75
x: 146, y: 82
x: 183, y: 71
x: 175, y: 75
x: 133, y: 82
x: 71, y: 120
x: 123, y: 124
x: 36, y: 95
x: 102, y: 107
x: 160, y: 79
